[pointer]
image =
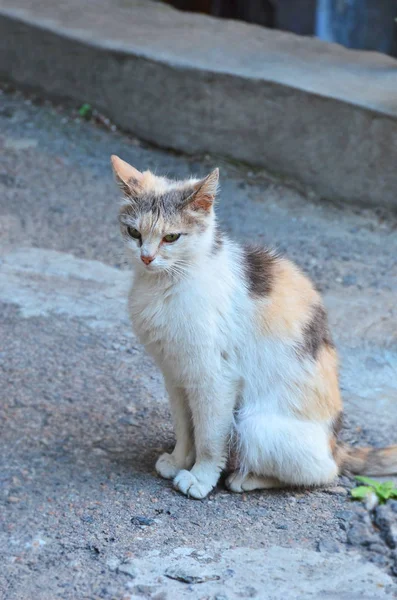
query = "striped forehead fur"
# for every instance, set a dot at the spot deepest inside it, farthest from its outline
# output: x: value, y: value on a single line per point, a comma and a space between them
x: 159, y: 193
x: 164, y: 201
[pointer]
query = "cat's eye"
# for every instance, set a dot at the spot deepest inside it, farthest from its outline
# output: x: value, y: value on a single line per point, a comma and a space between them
x: 171, y: 237
x: 134, y: 233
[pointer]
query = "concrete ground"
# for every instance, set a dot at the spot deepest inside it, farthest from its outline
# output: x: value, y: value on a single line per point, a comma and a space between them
x: 83, y: 410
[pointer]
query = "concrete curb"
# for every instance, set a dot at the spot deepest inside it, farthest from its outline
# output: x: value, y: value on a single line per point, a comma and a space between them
x: 304, y: 110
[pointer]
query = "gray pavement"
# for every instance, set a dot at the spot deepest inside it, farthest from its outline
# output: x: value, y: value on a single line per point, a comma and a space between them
x: 83, y: 410
x: 318, y: 113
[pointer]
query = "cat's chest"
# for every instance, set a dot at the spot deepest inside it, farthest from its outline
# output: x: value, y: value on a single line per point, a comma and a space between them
x: 172, y: 320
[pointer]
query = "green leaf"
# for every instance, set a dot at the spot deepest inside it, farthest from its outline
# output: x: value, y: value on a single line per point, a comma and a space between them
x: 384, y: 490
x: 368, y: 481
x: 386, y: 487
x: 85, y: 111
x: 361, y: 492
x: 382, y: 495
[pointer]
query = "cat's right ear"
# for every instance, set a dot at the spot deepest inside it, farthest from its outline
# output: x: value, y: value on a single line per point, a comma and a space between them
x: 128, y: 178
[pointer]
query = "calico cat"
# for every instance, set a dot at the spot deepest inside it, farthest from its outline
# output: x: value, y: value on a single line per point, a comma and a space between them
x: 242, y: 339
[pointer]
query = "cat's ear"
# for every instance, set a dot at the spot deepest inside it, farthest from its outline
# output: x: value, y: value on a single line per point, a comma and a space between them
x: 128, y: 178
x: 203, y: 198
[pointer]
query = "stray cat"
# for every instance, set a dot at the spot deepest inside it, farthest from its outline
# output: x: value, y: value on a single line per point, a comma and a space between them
x: 242, y: 339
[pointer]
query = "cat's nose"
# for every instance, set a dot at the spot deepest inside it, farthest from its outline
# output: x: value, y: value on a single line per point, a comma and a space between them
x: 147, y: 259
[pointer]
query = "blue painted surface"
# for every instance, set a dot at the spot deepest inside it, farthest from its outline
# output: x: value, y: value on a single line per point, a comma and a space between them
x: 361, y: 24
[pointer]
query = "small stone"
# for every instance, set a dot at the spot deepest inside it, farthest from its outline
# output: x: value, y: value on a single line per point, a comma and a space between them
x: 281, y: 526
x: 346, y: 481
x: 349, y: 280
x: 159, y: 596
x: 385, y: 519
x: 142, y: 521
x: 13, y: 499
x: 87, y: 519
x: 112, y: 563
x: 326, y: 545
x: 336, y: 491
x: 143, y: 590
x: 393, y: 505
x: 379, y: 548
x: 192, y: 577
x: 360, y: 535
x: 345, y: 515
x: 371, y: 501
x: 128, y: 568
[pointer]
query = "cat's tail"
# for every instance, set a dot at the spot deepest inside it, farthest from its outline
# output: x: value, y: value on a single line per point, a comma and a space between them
x: 366, y: 461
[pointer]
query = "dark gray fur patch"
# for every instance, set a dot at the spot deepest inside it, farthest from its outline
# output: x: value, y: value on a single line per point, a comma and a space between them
x: 337, y: 425
x: 316, y: 333
x: 218, y: 242
x: 258, y: 268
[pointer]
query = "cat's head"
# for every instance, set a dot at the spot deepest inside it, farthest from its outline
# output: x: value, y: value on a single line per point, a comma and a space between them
x: 167, y: 225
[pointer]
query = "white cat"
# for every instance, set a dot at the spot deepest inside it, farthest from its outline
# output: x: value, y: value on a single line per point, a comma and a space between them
x: 242, y: 340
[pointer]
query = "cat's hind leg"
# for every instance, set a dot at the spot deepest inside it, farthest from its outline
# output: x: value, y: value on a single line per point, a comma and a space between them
x: 293, y: 451
x: 239, y: 483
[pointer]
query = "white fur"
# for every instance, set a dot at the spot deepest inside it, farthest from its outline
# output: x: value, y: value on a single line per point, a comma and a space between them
x: 223, y: 377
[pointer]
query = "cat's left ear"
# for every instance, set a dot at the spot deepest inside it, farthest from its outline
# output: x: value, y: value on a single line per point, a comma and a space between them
x: 203, y: 198
x: 128, y: 177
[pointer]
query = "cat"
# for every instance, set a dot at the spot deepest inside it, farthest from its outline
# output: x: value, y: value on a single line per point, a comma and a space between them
x: 242, y: 339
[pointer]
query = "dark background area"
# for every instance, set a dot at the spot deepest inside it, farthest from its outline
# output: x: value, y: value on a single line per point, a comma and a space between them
x: 359, y: 24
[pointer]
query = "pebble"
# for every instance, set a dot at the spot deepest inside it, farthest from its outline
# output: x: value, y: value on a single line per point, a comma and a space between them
x: 385, y: 519
x: 326, y: 545
x: 113, y: 563
x: 392, y: 504
x: 144, y: 590
x: 349, y: 280
x: 346, y: 481
x: 128, y: 568
x: 336, y: 491
x: 186, y: 577
x: 142, y: 521
x: 345, y: 515
x: 360, y: 535
x: 379, y: 548
x: 371, y: 501
x: 87, y: 519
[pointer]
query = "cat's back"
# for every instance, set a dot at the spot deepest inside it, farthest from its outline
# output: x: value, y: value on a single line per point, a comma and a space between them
x: 284, y: 298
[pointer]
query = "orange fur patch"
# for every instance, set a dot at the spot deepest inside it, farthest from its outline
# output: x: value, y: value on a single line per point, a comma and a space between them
x: 288, y: 308
x: 321, y: 399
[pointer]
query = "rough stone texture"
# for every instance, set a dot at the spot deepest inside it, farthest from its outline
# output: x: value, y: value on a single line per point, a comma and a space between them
x: 276, y: 573
x: 83, y: 411
x: 320, y: 114
x: 386, y: 519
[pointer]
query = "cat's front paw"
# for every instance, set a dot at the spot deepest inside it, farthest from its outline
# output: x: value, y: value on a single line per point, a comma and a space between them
x: 189, y: 485
x: 167, y: 467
